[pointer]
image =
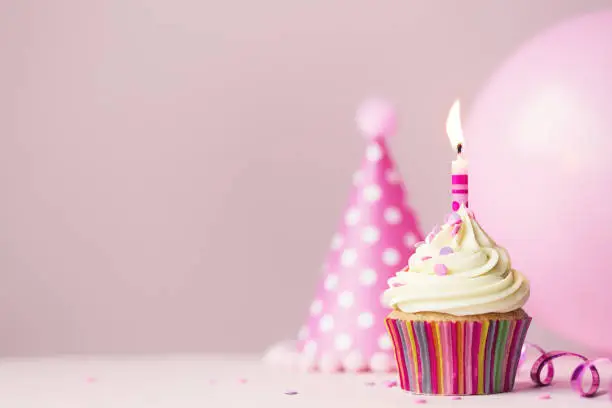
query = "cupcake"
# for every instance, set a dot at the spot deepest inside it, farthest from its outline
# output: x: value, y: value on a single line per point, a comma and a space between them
x: 457, y: 323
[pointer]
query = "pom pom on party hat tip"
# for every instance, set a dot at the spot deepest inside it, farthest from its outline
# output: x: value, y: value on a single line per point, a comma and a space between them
x: 344, y: 330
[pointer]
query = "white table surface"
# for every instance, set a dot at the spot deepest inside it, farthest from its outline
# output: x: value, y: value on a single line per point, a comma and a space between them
x: 206, y: 381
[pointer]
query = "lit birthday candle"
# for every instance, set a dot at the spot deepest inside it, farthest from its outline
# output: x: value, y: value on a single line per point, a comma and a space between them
x: 459, y: 169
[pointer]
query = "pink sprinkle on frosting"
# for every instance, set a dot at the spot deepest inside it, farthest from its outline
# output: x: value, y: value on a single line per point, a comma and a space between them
x: 440, y: 269
x: 425, y: 258
x: 455, y: 229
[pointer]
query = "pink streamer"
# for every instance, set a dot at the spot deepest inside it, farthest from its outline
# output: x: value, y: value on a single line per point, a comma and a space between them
x: 545, y: 360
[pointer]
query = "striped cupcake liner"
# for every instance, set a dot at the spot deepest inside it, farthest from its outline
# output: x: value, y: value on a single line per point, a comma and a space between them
x: 457, y: 358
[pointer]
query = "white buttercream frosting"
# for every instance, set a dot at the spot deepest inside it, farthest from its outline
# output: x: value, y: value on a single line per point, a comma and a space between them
x: 460, y: 271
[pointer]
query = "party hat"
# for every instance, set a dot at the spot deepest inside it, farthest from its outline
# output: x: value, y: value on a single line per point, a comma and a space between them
x: 345, y: 328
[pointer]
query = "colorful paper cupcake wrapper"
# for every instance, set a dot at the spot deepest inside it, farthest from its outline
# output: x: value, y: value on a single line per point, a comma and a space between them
x: 457, y: 358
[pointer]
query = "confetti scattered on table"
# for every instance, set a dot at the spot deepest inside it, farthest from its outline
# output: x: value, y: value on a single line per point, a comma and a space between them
x: 420, y: 401
x: 390, y: 384
x: 545, y: 397
x: 456, y: 398
x: 291, y: 392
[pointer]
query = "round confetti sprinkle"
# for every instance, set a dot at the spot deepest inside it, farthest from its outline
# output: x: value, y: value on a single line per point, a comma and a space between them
x: 545, y: 397
x: 368, y: 277
x: 291, y: 393
x: 370, y: 234
x: 440, y: 269
x: 455, y: 205
x: 446, y: 250
x: 420, y: 401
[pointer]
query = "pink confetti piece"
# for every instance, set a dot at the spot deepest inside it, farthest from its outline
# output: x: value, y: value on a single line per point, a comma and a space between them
x: 291, y: 392
x: 440, y: 269
x: 425, y: 258
x: 455, y: 229
x: 544, y: 397
x: 420, y: 401
x: 456, y: 398
x: 243, y: 380
x: 390, y: 384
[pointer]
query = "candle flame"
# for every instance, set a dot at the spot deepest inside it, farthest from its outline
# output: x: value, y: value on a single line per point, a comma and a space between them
x: 453, y: 125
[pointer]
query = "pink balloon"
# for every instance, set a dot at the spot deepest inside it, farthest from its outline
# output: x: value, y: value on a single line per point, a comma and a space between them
x: 539, y: 141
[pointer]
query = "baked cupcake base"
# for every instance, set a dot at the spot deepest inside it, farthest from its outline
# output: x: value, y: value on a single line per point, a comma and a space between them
x: 441, y: 354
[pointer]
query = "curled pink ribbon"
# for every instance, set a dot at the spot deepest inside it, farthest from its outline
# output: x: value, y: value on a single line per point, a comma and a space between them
x: 545, y: 360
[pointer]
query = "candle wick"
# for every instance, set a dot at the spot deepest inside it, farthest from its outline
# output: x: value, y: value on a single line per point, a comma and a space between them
x: 459, y: 148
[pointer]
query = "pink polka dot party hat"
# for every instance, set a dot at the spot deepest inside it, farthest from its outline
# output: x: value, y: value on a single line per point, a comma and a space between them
x: 345, y: 329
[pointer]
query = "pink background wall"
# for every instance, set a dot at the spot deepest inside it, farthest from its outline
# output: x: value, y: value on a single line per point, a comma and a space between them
x: 171, y: 172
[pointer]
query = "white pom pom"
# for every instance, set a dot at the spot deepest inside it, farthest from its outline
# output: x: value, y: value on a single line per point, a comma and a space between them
x: 282, y: 354
x: 381, y: 363
x: 330, y: 363
x: 354, y: 362
x: 376, y: 118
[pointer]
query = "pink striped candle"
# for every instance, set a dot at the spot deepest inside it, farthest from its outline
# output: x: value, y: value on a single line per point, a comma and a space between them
x: 459, y: 190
